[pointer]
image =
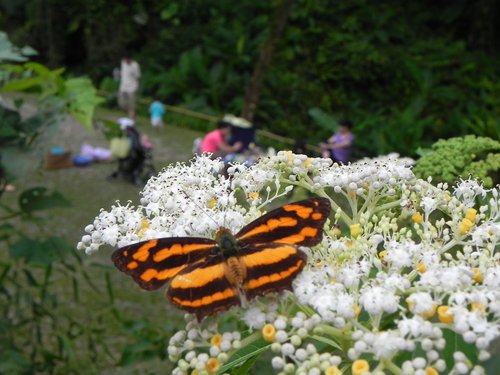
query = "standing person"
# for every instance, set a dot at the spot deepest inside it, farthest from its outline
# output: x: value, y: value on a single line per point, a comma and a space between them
x: 130, y: 74
x: 215, y: 141
x: 156, y: 111
x: 338, y: 146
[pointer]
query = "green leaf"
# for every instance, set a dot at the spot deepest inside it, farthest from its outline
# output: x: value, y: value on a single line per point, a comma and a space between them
x: 456, y: 342
x: 327, y: 341
x: 38, y: 198
x: 245, y: 354
x: 135, y: 352
x: 323, y: 119
x: 82, y: 99
x: 42, y: 252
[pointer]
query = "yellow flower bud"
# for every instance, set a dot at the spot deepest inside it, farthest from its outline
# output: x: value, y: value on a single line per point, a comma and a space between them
x: 213, y: 365
x: 216, y: 340
x: 431, y: 371
x: 195, y: 372
x: 212, y: 202
x: 421, y: 267
x: 307, y: 163
x: 253, y: 195
x: 471, y: 214
x: 410, y: 304
x: 144, y: 227
x: 477, y: 275
x: 417, y: 218
x: 360, y: 366
x: 357, y: 310
x: 335, y: 232
x: 429, y: 313
x: 477, y: 306
x: 464, y: 226
x: 382, y: 254
x: 444, y: 314
x: 333, y: 370
x: 268, y: 332
x: 356, y: 230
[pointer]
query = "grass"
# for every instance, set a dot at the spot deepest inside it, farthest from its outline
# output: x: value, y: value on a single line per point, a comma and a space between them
x: 95, y: 317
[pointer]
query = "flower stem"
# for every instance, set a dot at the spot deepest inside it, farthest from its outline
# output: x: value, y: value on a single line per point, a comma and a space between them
x: 389, y: 365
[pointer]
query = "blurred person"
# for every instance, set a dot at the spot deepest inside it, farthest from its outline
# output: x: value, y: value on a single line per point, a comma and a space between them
x: 156, y: 112
x: 130, y: 74
x: 338, y: 146
x: 132, y: 164
x: 216, y: 143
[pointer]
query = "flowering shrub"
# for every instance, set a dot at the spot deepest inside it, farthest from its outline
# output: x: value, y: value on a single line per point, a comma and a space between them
x: 406, y: 279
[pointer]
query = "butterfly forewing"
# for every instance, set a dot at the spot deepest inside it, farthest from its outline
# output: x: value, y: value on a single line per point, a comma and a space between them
x: 203, y: 288
x: 152, y: 263
x: 300, y: 223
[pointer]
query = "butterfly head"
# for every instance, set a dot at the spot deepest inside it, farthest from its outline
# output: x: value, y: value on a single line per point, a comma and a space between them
x: 226, y: 241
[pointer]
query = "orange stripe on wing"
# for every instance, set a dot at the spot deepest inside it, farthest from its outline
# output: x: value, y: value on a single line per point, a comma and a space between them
x: 178, y: 249
x: 269, y: 255
x: 271, y: 225
x: 142, y: 253
x: 198, y: 277
x: 299, y: 237
x: 274, y: 277
x: 302, y: 211
x: 151, y: 273
x: 206, y: 300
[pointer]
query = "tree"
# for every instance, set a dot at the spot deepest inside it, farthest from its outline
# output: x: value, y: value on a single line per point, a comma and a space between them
x: 277, y: 25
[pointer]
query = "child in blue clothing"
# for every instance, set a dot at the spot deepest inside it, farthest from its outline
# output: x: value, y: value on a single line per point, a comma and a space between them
x: 156, y: 111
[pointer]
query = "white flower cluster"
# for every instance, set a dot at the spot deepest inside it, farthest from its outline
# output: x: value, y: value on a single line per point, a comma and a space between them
x: 405, y: 269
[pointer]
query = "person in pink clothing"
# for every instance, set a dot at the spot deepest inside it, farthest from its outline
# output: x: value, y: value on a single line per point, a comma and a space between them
x: 215, y: 141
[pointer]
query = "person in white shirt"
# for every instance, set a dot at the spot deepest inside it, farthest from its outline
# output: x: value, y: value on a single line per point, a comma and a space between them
x: 130, y: 73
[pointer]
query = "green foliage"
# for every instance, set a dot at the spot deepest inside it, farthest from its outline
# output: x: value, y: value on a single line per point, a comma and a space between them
x: 405, y: 74
x: 75, y: 95
x: 38, y: 198
x: 450, y: 159
x: 9, y: 52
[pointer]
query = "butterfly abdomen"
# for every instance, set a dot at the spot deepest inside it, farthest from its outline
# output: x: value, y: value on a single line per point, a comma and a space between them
x: 235, y: 271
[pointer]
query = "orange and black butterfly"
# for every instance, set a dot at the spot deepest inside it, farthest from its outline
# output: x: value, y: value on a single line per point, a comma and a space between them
x: 207, y: 276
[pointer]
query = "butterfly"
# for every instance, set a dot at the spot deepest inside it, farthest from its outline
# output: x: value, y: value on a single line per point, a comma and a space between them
x: 207, y: 276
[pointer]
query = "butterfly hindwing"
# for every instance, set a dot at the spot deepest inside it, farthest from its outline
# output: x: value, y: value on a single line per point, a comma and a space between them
x: 271, y: 267
x: 300, y: 223
x: 152, y: 263
x: 203, y: 288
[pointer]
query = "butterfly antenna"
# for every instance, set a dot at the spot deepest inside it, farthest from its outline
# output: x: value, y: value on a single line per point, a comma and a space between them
x: 225, y: 210
x: 202, y: 209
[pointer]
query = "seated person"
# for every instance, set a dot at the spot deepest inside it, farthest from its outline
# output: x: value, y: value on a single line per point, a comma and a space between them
x: 215, y: 141
x: 338, y: 146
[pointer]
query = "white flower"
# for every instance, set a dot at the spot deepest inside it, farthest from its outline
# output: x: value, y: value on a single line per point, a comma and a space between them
x: 377, y: 300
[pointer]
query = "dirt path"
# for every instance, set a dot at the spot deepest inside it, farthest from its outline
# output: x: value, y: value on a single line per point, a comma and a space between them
x: 87, y: 188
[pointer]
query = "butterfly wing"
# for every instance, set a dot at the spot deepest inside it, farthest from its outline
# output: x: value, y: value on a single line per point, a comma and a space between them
x: 298, y: 223
x: 203, y: 288
x: 152, y: 263
x: 270, y: 267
